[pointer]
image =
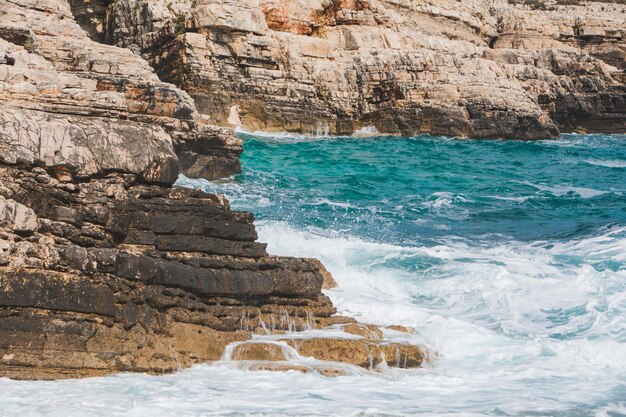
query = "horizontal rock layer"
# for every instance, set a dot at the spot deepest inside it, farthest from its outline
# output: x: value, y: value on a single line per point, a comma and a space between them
x: 96, y: 279
x: 480, y: 68
x: 92, y: 108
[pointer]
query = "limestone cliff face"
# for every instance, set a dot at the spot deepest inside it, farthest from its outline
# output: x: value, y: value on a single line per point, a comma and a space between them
x: 478, y: 68
x: 104, y: 265
x: 93, y: 108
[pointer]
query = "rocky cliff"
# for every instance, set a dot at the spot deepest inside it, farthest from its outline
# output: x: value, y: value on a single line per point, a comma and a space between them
x: 477, y: 68
x: 104, y: 265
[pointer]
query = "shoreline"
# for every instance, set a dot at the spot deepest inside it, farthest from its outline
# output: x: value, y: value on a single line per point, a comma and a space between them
x: 106, y: 266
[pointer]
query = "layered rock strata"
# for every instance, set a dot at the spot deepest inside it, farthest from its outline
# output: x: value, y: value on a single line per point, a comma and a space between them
x: 110, y: 274
x: 479, y: 68
x: 92, y: 108
x: 359, y: 347
x: 104, y: 265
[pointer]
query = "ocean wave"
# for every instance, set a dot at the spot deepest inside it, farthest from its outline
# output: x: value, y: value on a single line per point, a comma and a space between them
x: 515, y: 313
x: 561, y: 190
x: 488, y: 309
x: 245, y: 198
x: 529, y: 319
x: 582, y: 140
x: 444, y: 199
x: 520, y: 199
x: 607, y: 164
x: 226, y: 391
x: 525, y: 291
x: 292, y: 137
x: 512, y: 270
x: 325, y: 201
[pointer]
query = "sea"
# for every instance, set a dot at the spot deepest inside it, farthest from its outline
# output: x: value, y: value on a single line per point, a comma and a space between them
x: 507, y: 257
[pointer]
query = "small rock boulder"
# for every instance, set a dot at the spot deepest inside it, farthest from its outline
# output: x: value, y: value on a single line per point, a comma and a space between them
x: 258, y: 352
x: 17, y: 217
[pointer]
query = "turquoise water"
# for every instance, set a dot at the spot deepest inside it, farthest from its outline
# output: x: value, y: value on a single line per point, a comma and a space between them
x: 418, y: 191
x: 508, y: 257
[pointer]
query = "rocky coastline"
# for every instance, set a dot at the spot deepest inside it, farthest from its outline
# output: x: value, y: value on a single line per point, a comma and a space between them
x: 482, y: 69
x: 106, y: 266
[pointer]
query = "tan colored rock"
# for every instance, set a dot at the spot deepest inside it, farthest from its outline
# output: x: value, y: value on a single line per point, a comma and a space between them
x: 17, y: 217
x: 278, y: 367
x: 468, y: 69
x: 104, y: 265
x: 352, y: 351
x: 403, y: 355
x: 323, y: 322
x: 84, y: 294
x: 327, y: 371
x: 329, y: 282
x: 360, y: 352
x: 366, y: 331
x: 294, y: 16
x: 87, y: 107
x: 231, y: 15
x: 251, y: 351
x: 402, y: 329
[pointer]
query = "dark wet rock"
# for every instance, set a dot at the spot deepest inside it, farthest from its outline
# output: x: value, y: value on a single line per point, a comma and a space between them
x: 104, y: 254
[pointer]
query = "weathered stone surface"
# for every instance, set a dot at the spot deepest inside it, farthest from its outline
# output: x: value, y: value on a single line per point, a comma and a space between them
x: 366, y: 331
x: 329, y: 282
x: 401, y: 329
x: 54, y: 291
x: 92, y: 108
x: 128, y: 299
x: 361, y: 352
x: 231, y: 15
x: 327, y: 371
x: 309, y: 353
x: 490, y: 68
x: 17, y: 217
x: 258, y: 352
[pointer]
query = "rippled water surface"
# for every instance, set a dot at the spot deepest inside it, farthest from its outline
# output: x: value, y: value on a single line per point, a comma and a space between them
x: 508, y: 257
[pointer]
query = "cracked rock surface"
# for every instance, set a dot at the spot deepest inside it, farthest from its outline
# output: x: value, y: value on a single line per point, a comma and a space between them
x: 476, y: 68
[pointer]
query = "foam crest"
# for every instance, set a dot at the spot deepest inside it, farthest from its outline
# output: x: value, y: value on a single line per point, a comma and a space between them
x: 505, y: 293
x: 607, y: 164
x: 561, y: 190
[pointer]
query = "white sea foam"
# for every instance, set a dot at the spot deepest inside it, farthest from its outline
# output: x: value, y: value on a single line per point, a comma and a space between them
x: 521, y: 287
x: 495, y: 314
x: 366, y: 132
x: 484, y: 369
x: 493, y: 310
x: 520, y: 199
x: 607, y: 164
x: 325, y: 201
x: 321, y: 133
x: 447, y: 203
x: 288, y: 137
x: 560, y: 190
